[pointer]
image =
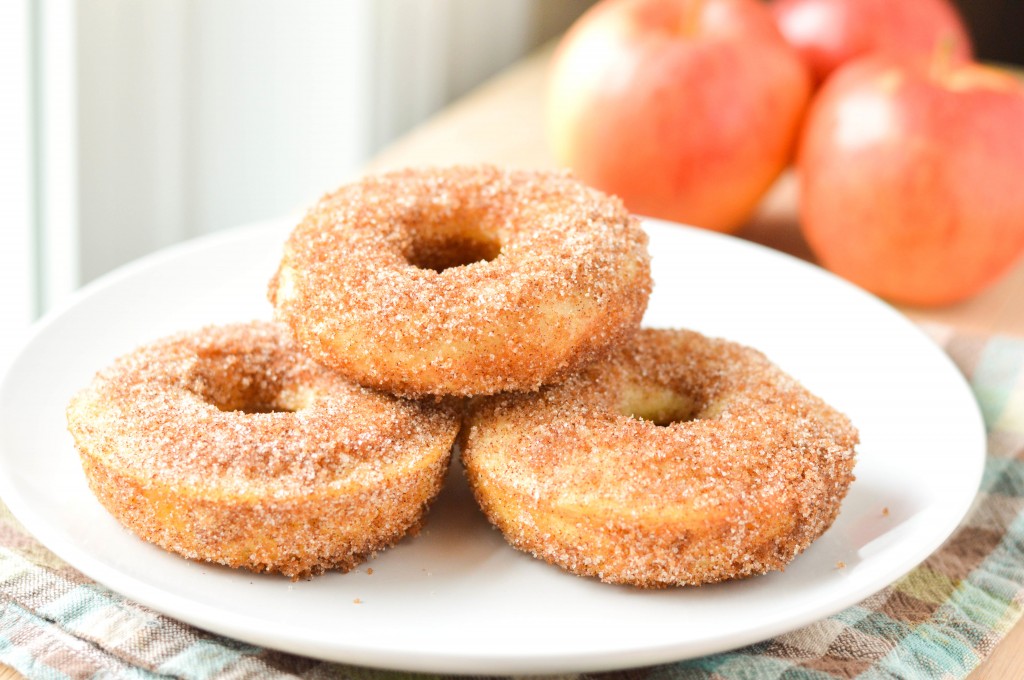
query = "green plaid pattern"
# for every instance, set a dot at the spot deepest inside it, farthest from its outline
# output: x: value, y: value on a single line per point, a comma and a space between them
x: 939, y: 621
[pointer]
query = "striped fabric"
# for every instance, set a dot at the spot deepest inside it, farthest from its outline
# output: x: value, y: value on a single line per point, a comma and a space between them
x: 939, y: 621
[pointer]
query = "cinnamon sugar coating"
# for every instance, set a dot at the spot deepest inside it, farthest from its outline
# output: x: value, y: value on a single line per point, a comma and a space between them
x: 678, y: 460
x: 463, y: 280
x: 228, y: 445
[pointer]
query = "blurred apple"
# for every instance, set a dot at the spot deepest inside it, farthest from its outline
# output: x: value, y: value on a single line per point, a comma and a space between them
x: 829, y: 33
x: 686, y: 109
x: 911, y: 177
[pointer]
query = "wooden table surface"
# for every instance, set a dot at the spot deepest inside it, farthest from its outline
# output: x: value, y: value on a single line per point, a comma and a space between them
x: 501, y: 122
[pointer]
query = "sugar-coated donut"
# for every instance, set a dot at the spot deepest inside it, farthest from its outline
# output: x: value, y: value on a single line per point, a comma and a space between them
x: 677, y: 460
x: 229, y: 446
x: 462, y: 280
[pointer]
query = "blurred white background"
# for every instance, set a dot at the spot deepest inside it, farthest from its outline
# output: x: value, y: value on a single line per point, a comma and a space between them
x: 128, y: 125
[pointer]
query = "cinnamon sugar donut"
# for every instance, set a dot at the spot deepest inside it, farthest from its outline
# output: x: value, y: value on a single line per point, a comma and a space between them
x: 227, y: 445
x: 678, y: 460
x: 460, y: 281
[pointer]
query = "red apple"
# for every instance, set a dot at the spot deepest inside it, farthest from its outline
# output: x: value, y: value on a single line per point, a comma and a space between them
x: 912, y: 177
x: 829, y: 33
x: 686, y: 109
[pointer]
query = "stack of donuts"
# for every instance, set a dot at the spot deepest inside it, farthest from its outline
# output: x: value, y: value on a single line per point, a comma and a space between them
x: 495, y: 312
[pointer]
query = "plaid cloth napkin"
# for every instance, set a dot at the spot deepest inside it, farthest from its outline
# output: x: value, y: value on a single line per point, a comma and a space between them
x: 939, y: 621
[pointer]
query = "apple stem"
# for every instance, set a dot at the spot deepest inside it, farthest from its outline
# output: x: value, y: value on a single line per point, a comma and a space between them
x: 942, y: 57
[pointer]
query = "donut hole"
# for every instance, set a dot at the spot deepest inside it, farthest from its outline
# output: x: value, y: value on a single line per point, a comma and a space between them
x: 442, y: 247
x: 235, y: 383
x: 659, y: 405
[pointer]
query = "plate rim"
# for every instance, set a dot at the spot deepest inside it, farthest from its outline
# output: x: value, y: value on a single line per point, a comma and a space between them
x: 214, y: 620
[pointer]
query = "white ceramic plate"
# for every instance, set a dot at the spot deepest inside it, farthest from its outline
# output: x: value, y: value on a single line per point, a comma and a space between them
x: 457, y: 599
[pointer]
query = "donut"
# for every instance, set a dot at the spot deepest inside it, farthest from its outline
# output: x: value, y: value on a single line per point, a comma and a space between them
x: 677, y: 460
x: 227, y: 445
x: 465, y: 280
